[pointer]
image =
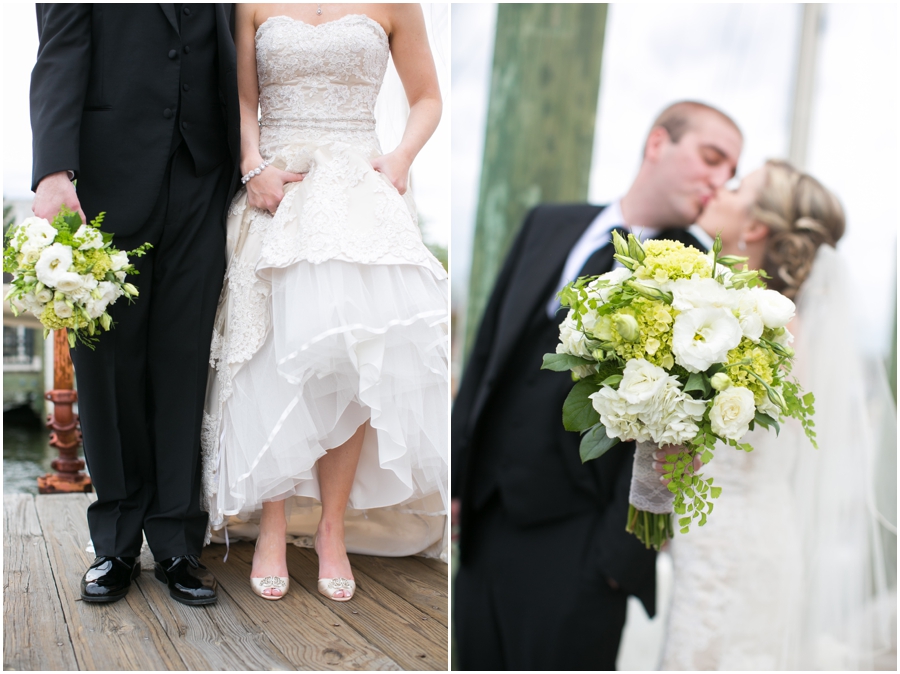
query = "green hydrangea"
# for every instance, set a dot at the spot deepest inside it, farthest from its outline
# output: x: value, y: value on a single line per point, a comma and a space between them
x: 51, y: 321
x: 762, y: 361
x: 670, y: 260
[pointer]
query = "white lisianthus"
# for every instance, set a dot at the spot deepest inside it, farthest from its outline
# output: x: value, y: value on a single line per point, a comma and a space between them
x: 614, y: 279
x: 62, y: 309
x: 35, y: 234
x: 748, y: 315
x: 619, y: 418
x: 704, y: 336
x: 766, y: 406
x: 641, y: 381
x: 109, y: 292
x: 571, y: 339
x: 54, y: 261
x: 119, y: 260
x: 775, y: 309
x: 120, y: 276
x: 720, y: 381
x: 696, y: 292
x: 732, y: 411
x: 69, y: 283
x: 89, y: 237
x: 783, y: 337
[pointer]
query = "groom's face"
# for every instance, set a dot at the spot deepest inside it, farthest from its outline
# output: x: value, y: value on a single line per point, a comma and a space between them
x: 702, y: 161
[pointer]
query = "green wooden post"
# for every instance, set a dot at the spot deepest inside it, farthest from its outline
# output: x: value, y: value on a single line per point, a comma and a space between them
x: 540, y: 126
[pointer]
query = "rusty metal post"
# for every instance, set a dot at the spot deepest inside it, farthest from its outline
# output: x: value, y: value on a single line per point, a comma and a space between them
x: 65, y: 434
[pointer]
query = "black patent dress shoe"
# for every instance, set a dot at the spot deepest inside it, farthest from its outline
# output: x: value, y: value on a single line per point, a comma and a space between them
x: 189, y: 581
x: 109, y: 578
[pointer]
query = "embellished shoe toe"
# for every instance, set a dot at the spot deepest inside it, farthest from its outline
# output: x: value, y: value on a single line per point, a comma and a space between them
x: 329, y: 586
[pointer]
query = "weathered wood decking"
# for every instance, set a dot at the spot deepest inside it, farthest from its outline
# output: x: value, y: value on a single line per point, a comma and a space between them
x: 396, y: 621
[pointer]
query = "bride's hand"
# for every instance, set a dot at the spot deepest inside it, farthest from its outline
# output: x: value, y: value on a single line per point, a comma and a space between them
x: 266, y: 190
x: 395, y: 167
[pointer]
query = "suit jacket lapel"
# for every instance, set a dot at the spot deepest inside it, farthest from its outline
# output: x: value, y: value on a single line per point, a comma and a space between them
x: 539, y: 270
x: 169, y: 10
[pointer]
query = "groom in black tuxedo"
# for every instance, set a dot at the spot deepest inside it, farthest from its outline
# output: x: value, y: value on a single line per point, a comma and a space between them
x: 546, y: 565
x: 138, y: 103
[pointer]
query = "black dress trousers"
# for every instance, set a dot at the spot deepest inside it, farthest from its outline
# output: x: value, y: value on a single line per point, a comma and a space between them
x: 142, y: 390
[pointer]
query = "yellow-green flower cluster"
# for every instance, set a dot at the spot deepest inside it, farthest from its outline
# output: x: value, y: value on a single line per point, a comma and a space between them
x: 762, y: 362
x: 98, y: 257
x: 670, y: 260
x: 654, y: 331
x: 51, y: 321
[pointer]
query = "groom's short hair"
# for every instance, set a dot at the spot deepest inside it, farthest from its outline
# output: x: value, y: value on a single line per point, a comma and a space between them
x: 681, y: 116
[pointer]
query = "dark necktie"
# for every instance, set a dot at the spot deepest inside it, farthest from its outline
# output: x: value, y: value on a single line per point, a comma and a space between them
x: 601, y: 260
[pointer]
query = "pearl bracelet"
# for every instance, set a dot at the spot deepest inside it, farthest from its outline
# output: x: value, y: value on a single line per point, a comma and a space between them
x: 255, y: 172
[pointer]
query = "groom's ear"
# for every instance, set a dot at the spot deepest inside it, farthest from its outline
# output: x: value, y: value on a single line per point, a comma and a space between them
x: 757, y: 231
x: 656, y: 140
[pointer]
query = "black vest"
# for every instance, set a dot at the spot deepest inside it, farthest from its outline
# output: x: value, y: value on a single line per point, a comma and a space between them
x: 201, y: 111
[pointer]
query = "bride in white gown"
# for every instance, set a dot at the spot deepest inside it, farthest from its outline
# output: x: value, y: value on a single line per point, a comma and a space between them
x: 326, y: 415
x: 796, y: 569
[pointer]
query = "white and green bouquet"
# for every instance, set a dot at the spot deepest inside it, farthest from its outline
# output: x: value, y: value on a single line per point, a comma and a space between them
x: 675, y: 348
x: 67, y: 274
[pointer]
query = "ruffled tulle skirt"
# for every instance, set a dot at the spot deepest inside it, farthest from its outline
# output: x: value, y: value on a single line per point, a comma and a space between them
x: 308, y: 350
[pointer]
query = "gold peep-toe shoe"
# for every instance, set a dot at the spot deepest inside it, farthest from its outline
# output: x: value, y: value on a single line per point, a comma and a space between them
x: 270, y: 582
x: 329, y: 586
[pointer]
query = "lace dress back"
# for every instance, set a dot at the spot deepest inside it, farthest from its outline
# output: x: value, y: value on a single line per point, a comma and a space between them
x: 334, y: 314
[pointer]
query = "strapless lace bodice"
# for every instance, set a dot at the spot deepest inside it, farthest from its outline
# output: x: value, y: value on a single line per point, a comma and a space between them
x: 319, y: 82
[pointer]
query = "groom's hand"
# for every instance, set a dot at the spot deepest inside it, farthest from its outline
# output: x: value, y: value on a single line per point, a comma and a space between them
x: 660, y: 456
x: 53, y: 192
x: 266, y: 190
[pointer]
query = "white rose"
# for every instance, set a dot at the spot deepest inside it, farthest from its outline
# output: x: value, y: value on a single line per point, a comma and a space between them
x: 89, y: 237
x: 732, y: 411
x: 44, y: 295
x: 571, y: 339
x: 775, y: 309
x: 615, y: 414
x: 697, y: 292
x: 54, y: 261
x: 641, y: 380
x: 69, y: 283
x: 35, y: 233
x: 704, y: 336
x: 62, y: 309
x: 119, y: 260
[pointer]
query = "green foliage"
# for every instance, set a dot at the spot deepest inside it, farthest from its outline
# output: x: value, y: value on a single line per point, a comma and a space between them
x: 595, y: 443
x: 578, y: 411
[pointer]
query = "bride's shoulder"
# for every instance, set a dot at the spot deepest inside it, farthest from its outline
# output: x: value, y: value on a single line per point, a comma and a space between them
x: 401, y: 16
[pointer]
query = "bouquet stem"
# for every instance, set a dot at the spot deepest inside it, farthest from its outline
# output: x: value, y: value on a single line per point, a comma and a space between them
x: 651, y: 529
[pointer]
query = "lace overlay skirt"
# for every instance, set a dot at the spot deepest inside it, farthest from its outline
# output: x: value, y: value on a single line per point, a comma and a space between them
x: 334, y: 315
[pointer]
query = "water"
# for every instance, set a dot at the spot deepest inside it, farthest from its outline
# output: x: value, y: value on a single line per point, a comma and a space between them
x: 26, y: 455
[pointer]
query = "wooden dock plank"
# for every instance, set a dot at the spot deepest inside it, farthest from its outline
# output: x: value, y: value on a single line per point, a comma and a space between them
x: 300, y: 626
x: 124, y: 635
x: 217, y: 637
x: 435, y: 565
x: 35, y: 636
x: 404, y: 577
x: 396, y: 627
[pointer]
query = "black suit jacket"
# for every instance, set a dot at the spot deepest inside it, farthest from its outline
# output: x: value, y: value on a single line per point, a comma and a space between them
x: 523, y: 287
x: 104, y: 95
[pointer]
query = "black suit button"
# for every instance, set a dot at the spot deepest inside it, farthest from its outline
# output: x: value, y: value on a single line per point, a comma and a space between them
x: 172, y: 53
x: 187, y: 49
x: 187, y: 12
x: 184, y: 125
x: 167, y: 113
x: 185, y: 87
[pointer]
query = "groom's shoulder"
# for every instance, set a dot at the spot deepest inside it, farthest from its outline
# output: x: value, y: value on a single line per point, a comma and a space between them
x: 574, y: 213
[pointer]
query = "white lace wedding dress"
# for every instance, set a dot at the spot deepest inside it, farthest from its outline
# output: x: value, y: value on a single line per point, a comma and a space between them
x: 795, y: 568
x: 333, y: 314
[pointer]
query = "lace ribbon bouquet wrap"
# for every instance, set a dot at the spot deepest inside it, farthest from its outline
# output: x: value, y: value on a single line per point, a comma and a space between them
x: 675, y: 348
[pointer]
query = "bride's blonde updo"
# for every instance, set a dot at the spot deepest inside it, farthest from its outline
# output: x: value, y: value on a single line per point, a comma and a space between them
x: 801, y: 215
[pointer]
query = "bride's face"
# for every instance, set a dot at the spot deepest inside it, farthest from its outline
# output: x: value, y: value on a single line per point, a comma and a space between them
x: 729, y: 212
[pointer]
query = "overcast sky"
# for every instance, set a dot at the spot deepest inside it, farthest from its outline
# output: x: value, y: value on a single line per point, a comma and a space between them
x: 741, y: 58
x: 430, y: 173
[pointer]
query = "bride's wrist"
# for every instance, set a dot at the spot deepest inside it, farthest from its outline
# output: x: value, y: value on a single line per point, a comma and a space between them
x: 250, y: 162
